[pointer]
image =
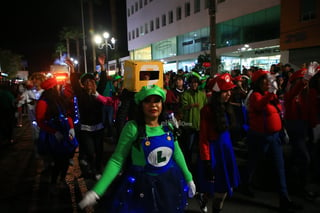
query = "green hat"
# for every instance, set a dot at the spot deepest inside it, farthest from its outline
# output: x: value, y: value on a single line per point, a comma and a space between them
x: 147, y: 91
x: 196, y: 75
x: 116, y: 77
x: 86, y: 76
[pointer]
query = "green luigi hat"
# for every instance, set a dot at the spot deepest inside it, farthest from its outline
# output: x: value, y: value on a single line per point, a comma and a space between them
x: 86, y: 76
x: 147, y: 91
x: 116, y: 77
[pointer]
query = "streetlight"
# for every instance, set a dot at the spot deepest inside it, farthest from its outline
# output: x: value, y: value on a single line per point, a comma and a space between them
x: 105, y: 40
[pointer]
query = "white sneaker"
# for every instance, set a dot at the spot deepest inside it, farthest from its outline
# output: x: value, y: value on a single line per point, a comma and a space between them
x: 204, y: 209
x: 203, y: 203
x: 83, y: 162
x: 71, y: 162
x: 98, y: 176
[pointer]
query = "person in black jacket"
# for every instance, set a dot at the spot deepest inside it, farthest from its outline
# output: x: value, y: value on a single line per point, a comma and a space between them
x: 91, y: 127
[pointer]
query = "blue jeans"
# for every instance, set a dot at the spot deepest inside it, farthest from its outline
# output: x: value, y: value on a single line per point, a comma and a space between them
x: 297, y: 131
x: 258, y: 145
x: 108, y: 118
x: 91, y: 149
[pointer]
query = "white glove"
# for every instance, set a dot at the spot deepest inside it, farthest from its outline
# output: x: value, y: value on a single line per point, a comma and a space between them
x: 191, y: 189
x: 89, y: 199
x: 311, y: 70
x: 72, y: 133
x: 58, y: 136
x: 96, y: 94
x: 273, y: 86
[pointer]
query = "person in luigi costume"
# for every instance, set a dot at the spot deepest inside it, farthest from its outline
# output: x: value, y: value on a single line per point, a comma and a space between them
x: 156, y: 177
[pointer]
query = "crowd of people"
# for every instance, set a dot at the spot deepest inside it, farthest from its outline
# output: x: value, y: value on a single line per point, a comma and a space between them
x: 179, y: 142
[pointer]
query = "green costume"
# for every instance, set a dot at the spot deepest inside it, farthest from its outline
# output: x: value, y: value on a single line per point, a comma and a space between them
x: 192, y: 115
x: 125, y: 147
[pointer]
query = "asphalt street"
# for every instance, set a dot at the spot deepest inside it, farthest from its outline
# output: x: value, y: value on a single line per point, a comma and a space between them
x: 25, y: 185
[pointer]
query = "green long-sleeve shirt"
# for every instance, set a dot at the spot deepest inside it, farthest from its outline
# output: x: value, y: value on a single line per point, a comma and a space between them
x: 191, y: 115
x: 125, y: 145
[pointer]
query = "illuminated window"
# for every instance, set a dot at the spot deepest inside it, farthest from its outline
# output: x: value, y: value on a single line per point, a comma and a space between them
x: 244, y: 29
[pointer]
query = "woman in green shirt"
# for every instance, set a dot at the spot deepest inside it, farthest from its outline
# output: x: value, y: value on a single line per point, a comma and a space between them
x: 157, y: 179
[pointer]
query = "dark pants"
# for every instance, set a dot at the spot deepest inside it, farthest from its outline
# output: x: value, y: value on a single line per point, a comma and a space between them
x: 108, y: 118
x: 7, y: 123
x: 91, y: 146
x: 60, y: 168
x: 258, y: 146
x: 297, y: 131
x: 189, y: 144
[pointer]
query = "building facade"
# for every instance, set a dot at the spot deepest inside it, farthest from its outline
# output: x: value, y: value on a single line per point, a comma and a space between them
x: 300, y: 30
x: 248, y: 32
x: 177, y: 32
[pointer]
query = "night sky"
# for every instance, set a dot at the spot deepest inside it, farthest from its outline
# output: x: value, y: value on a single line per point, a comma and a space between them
x: 32, y: 28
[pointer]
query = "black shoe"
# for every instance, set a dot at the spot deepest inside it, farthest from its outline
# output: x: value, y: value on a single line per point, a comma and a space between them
x: 216, y: 210
x: 203, y: 200
x: 287, y: 205
x: 247, y: 191
x: 310, y: 195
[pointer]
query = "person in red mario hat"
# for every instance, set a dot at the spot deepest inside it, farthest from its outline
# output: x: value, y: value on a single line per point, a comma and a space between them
x: 298, y: 74
x: 257, y: 74
x: 218, y: 162
x: 49, y: 83
x: 56, y: 130
x: 300, y: 102
x: 223, y: 83
x: 263, y: 137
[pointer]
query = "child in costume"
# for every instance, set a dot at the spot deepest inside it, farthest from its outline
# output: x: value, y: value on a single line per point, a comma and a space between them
x: 157, y: 178
x: 57, y: 135
x: 220, y: 174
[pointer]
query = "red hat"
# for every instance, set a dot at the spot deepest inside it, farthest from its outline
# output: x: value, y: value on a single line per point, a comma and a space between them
x: 221, y: 83
x: 257, y: 74
x: 49, y: 83
x: 67, y: 90
x: 298, y: 74
x: 237, y: 78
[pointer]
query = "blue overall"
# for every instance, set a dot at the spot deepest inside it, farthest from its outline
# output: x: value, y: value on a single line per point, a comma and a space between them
x: 224, y: 165
x: 157, y: 187
x: 48, y: 144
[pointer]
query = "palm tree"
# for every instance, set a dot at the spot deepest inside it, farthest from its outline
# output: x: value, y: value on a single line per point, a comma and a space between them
x: 76, y: 35
x: 66, y: 34
x: 60, y: 48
